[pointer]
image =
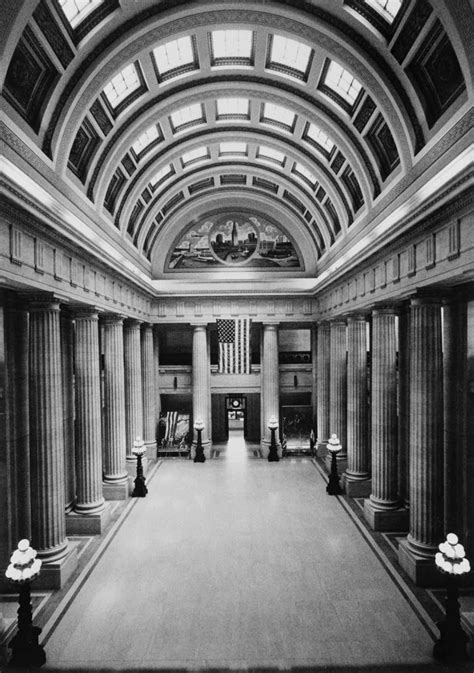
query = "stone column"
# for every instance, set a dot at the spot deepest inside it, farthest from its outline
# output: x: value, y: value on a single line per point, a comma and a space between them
x: 133, y: 390
x: 454, y: 396
x: 356, y: 478
x: 338, y: 385
x: 156, y: 360
x: 67, y: 368
x: 116, y: 483
x: 48, y: 521
x: 322, y: 392
x: 416, y: 554
x: 200, y: 387
x: 17, y: 416
x: 148, y: 390
x: 89, y: 506
x: 270, y: 385
x: 314, y: 371
x: 403, y: 405
x: 382, y: 511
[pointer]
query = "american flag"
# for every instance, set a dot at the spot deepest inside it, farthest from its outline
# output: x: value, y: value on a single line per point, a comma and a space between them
x: 234, y: 346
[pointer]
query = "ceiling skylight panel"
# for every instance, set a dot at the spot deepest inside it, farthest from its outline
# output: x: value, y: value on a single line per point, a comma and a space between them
x: 161, y: 175
x: 228, y: 46
x: 289, y: 54
x: 122, y: 85
x: 315, y: 134
x: 342, y: 82
x: 275, y: 114
x: 387, y: 8
x: 185, y: 116
x: 198, y: 154
x: 176, y: 56
x: 146, y: 139
x: 77, y: 10
x: 303, y: 172
x: 269, y: 154
x: 233, y: 107
x: 233, y: 147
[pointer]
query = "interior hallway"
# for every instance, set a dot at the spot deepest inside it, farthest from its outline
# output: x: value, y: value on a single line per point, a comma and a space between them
x: 237, y: 563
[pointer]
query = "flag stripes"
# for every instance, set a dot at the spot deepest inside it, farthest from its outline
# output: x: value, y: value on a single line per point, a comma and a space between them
x: 234, y: 357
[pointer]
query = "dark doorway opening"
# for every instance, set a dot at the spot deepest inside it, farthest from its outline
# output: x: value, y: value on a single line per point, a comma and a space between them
x: 236, y: 416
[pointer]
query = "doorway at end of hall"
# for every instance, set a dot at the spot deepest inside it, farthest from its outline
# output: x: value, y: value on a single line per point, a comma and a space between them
x: 236, y: 420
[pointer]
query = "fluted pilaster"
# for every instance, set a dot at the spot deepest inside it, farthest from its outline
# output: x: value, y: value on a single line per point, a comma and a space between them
x: 323, y: 368
x: 133, y: 385
x: 455, y: 347
x: 314, y: 373
x: 156, y: 361
x: 358, y: 446
x: 404, y: 405
x: 115, y: 471
x: 90, y: 499
x: 338, y: 384
x: 384, y: 410
x: 201, y: 384
x: 47, y: 435
x: 270, y: 382
x: 148, y: 385
x: 426, y: 428
x: 67, y: 367
x: 17, y: 345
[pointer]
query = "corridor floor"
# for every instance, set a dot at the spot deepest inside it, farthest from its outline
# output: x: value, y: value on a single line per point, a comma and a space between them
x: 238, y: 564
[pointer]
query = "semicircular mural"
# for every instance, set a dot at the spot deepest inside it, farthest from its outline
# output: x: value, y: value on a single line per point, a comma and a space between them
x: 234, y: 239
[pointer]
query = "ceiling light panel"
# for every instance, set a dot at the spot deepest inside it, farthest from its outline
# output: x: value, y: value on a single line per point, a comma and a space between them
x: 289, y: 56
x: 233, y: 108
x: 387, y: 8
x: 175, y: 58
x: 76, y: 11
x: 265, y: 153
x: 187, y: 116
x: 233, y: 147
x: 122, y: 85
x: 278, y: 115
x: 342, y: 82
x: 231, y: 47
x: 302, y: 172
x: 147, y: 140
x: 318, y: 138
x: 198, y: 154
x: 161, y: 175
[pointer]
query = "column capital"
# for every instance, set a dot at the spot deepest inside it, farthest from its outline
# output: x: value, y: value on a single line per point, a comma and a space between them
x: 426, y: 300
x: 84, y: 312
x: 40, y: 301
x: 201, y: 324
x: 112, y: 318
x: 357, y: 317
x: 271, y: 324
x: 388, y: 309
x: 132, y: 322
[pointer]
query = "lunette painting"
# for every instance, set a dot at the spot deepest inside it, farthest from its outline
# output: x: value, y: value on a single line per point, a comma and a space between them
x: 234, y: 239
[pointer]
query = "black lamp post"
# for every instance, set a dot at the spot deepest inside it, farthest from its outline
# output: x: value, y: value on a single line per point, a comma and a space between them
x: 23, y: 568
x: 452, y: 643
x: 334, y: 446
x: 273, y: 453
x: 138, y: 450
x: 199, y: 427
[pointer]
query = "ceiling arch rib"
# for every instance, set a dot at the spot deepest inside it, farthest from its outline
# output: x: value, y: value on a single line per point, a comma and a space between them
x: 294, y: 167
x: 253, y: 178
x: 390, y: 112
x: 325, y: 32
x: 304, y: 136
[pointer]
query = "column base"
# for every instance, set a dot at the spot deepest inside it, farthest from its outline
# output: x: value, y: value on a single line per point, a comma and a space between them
x: 54, y: 574
x: 386, y: 519
x: 88, y: 524
x: 118, y: 491
x: 321, y: 450
x: 206, y: 447
x: 340, y: 462
x: 420, y: 569
x: 356, y: 488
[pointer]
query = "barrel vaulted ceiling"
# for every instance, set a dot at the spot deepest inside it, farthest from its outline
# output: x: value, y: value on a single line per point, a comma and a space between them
x: 156, y: 122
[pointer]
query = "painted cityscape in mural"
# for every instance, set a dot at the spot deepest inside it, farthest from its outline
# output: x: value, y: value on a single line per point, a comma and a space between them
x: 233, y: 239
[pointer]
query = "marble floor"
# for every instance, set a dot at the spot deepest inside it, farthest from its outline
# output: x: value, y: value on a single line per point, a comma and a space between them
x: 238, y: 564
